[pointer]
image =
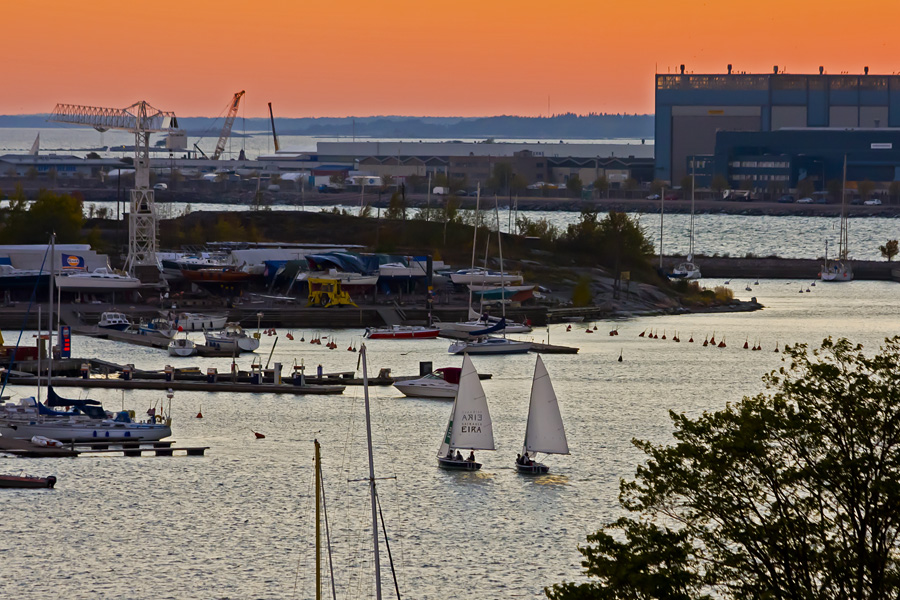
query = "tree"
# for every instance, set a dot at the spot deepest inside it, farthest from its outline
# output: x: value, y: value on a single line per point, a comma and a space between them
x: 793, y: 493
x: 889, y: 250
x: 396, y: 207
x: 805, y: 188
x: 687, y: 184
x: 574, y: 185
x: 60, y: 213
x: 865, y: 188
x: 719, y: 184
x: 894, y: 191
x: 601, y: 186
x: 387, y: 180
x: 501, y: 177
x: 92, y: 156
x: 518, y: 183
x: 337, y: 179
x: 656, y: 186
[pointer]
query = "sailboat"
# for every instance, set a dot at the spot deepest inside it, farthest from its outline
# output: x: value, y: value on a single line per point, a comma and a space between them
x: 840, y: 269
x: 544, y: 431
x: 470, y: 423
x: 687, y: 269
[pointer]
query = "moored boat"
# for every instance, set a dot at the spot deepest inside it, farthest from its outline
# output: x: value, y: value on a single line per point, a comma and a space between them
x: 544, y: 431
x: 402, y: 332
x: 114, y: 320
x: 489, y: 345
x: 98, y: 280
x: 233, y: 337
x: 187, y: 321
x: 440, y: 383
x: 182, y: 347
x: 27, y: 481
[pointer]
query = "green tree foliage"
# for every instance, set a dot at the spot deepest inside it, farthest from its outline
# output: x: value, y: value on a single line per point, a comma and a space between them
x: 793, y: 493
x: 51, y: 212
x: 601, y: 186
x: 889, y: 250
x: 501, y: 177
x: 617, y: 241
x: 228, y: 228
x: 540, y: 228
x: 865, y: 188
x: 337, y: 179
x: 718, y: 184
x: 687, y: 184
x: 518, y: 184
x: 574, y: 185
x: 581, y: 293
x: 396, y: 207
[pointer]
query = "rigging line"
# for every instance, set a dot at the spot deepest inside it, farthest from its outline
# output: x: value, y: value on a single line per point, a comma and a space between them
x: 302, y: 558
x: 328, y: 537
x: 12, y: 359
x: 398, y: 497
x: 387, y: 545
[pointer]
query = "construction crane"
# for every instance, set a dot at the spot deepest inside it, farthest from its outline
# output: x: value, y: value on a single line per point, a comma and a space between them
x: 141, y: 119
x: 226, y: 128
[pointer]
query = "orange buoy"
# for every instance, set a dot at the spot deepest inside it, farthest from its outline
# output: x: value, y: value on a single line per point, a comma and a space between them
x: 568, y: 328
x: 642, y: 333
x: 589, y: 330
x: 289, y: 336
x: 712, y: 340
x: 691, y: 340
x: 664, y: 334
x: 200, y: 415
x: 706, y: 342
x: 259, y: 436
x: 722, y: 343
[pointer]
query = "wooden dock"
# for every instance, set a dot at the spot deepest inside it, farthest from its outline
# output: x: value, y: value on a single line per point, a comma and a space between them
x: 27, y: 449
x: 188, y: 386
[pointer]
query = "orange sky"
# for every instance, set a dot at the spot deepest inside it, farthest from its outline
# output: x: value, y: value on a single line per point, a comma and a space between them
x: 439, y: 57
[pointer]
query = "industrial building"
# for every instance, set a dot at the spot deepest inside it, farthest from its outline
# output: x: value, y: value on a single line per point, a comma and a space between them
x: 692, y: 110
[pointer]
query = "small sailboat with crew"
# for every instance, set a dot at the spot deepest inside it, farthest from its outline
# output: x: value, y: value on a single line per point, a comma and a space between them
x: 470, y: 427
x: 544, y: 431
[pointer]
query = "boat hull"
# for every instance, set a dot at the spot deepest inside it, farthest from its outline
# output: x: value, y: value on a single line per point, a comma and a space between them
x: 116, y: 327
x: 476, y: 326
x: 509, y: 348
x: 451, y: 464
x: 419, y: 333
x: 182, y: 351
x: 532, y: 469
x: 21, y: 481
x: 87, y: 432
x: 422, y: 390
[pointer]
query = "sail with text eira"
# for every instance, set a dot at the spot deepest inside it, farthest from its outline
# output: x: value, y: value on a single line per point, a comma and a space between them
x: 470, y: 425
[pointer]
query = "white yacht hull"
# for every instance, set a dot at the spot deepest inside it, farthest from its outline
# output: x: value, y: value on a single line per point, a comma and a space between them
x: 418, y: 388
x: 86, y: 432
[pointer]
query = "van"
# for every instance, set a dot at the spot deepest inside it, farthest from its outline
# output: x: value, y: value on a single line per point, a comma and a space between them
x: 440, y: 191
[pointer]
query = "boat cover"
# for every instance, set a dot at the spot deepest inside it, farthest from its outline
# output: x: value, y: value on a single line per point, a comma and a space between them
x: 501, y: 324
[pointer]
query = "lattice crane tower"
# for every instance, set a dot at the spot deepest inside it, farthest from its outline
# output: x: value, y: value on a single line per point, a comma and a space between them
x: 142, y: 120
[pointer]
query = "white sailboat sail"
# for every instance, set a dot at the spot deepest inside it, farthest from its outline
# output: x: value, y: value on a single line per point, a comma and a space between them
x: 470, y: 424
x: 544, y: 431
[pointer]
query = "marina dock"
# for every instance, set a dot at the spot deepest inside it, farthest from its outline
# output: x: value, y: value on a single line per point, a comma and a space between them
x: 27, y: 449
x: 186, y: 386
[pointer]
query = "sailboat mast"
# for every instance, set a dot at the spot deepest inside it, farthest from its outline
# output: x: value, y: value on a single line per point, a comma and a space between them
x: 693, y: 186
x: 500, y: 249
x: 842, y: 250
x: 50, y: 316
x: 362, y: 352
x: 662, y: 195
x: 318, y: 523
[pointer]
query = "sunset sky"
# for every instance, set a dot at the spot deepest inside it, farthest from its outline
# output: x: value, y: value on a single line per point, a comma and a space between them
x: 402, y: 57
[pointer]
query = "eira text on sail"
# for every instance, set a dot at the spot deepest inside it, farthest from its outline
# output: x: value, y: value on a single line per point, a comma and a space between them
x: 471, y: 423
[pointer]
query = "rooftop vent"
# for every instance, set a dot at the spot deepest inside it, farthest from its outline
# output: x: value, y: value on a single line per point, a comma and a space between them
x: 729, y: 68
x: 821, y: 70
x: 866, y: 70
x: 682, y: 69
x: 775, y: 68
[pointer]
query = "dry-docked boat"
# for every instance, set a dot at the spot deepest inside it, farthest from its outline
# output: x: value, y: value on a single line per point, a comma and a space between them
x: 98, y: 280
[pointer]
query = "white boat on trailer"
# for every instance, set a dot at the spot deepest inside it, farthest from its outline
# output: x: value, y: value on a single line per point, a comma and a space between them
x: 470, y: 425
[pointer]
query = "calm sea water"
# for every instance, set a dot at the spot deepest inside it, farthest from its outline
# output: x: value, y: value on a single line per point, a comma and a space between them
x: 237, y: 523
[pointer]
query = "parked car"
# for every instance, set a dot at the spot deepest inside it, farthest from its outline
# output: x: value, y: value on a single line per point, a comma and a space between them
x: 786, y: 199
x: 160, y: 187
x: 873, y: 202
x: 806, y: 200
x: 653, y: 197
x: 671, y: 196
x: 821, y: 200
x: 856, y: 201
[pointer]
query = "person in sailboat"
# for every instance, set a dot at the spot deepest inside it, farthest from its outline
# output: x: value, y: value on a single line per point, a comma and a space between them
x: 519, y: 459
x: 471, y: 456
x: 458, y: 455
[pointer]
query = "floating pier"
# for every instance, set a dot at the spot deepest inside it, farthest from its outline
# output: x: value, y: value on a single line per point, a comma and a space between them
x: 188, y: 386
x: 27, y: 449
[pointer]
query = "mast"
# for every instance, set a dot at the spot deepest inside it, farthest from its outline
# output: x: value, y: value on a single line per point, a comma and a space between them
x: 693, y: 186
x: 362, y: 352
x: 842, y: 249
x: 474, y: 237
x: 502, y: 275
x: 662, y: 196
x: 318, y: 520
x: 50, y: 316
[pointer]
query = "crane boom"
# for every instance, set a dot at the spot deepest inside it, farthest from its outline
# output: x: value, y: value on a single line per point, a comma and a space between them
x: 141, y: 119
x: 226, y: 128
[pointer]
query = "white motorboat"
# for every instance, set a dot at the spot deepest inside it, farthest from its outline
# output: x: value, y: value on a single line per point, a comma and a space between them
x: 114, y: 320
x: 470, y: 424
x: 478, y: 275
x: 686, y: 270
x: 489, y: 345
x: 544, y: 431
x: 440, y: 383
x: 87, y: 421
x: 98, y: 280
x: 187, y: 321
x: 158, y: 326
x: 233, y: 337
x: 182, y: 347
